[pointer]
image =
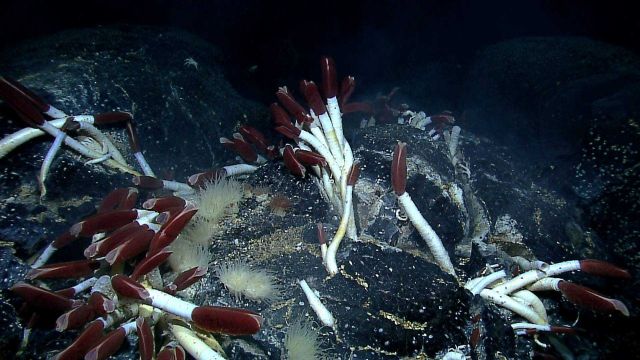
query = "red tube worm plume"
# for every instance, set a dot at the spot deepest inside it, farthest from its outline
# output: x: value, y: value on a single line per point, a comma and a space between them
x: 112, y: 117
x: 148, y: 182
x: 21, y: 103
x: 322, y: 239
x: 103, y: 222
x: 311, y: 93
x: 126, y: 287
x: 69, y: 269
x: 399, y: 168
x: 172, y: 228
x: 329, y: 77
x: 590, y: 299
x: 231, y: 321
x: 164, y: 203
x: 346, y: 89
x: 15, y: 89
x: 63, y: 240
x: 603, y: 268
x: 255, y: 137
x: 200, y: 179
x: 42, y: 299
x: 88, y: 339
x: 133, y: 137
x: 109, y: 344
x: 131, y: 248
x: 145, y: 338
x: 97, y: 305
x: 78, y: 288
x: 111, y: 201
x: 354, y: 174
x: 149, y: 263
x: 309, y: 157
x: 292, y: 133
x: 102, y: 247
x: 171, y: 352
x: 293, y: 107
x: 185, y: 279
x: 241, y: 147
x: 291, y: 162
x: 280, y: 117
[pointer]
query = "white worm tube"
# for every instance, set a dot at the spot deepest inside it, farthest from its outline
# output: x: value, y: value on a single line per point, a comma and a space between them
x: 193, y: 345
x: 330, y: 259
x: 333, y: 108
x: 426, y: 231
x: 478, y: 284
x: 239, y: 169
x: 530, y: 299
x: 508, y: 303
x: 48, y: 159
x: 323, y: 313
x: 562, y: 267
x: 519, y: 282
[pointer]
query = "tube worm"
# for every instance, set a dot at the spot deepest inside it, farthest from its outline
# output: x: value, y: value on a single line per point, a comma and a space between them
x: 330, y: 260
x: 519, y: 281
x: 347, y: 86
x: 130, y: 248
x: 78, y: 288
x: 145, y: 338
x: 149, y: 263
x: 111, y: 343
x: 590, y: 266
x: 33, y: 98
x: 185, y: 279
x: 106, y: 222
x: 102, y: 247
x: 478, y: 284
x: 309, y: 157
x: 164, y: 203
x: 522, y: 328
x: 172, y: 228
x: 330, y: 90
x: 293, y: 107
x: 399, y: 183
x: 581, y: 295
x: 119, y: 199
x: 291, y: 161
x: 137, y: 150
x: 533, y: 301
x: 88, y: 339
x: 192, y: 344
x: 255, y: 137
x: 324, y: 315
x: 171, y: 352
x: 231, y: 321
x: 68, y: 269
x: 310, y: 91
x: 43, y: 299
x: 506, y: 302
x: 153, y: 183
x: 200, y: 179
x: 48, y: 159
x: 295, y: 134
x: 109, y: 148
x: 240, y: 147
x: 322, y: 239
x: 97, y: 304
